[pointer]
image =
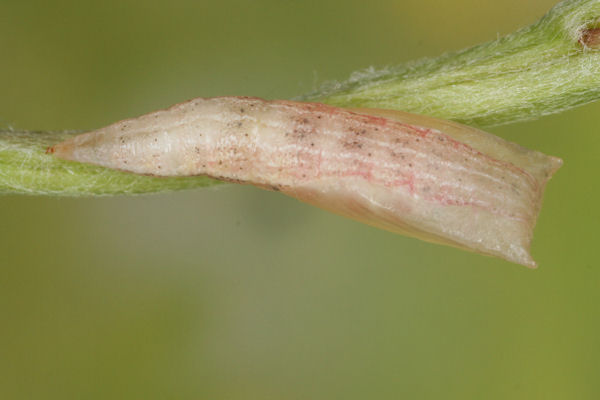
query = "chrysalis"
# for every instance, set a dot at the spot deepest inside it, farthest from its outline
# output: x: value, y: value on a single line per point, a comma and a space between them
x: 436, y: 180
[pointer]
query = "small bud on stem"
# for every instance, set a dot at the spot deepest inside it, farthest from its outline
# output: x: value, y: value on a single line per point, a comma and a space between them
x: 590, y: 38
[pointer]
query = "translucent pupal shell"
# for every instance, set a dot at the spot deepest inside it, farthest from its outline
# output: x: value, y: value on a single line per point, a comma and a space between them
x: 436, y: 180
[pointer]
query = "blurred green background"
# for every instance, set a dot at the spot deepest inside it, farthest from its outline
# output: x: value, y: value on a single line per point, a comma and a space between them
x: 237, y: 293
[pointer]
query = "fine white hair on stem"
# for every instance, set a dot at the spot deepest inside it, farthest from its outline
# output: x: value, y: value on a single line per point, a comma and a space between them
x: 539, y: 70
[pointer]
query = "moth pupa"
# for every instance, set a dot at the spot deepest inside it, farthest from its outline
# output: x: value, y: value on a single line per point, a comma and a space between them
x: 419, y: 176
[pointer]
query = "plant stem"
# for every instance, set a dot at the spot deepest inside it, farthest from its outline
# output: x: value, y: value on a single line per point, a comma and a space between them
x: 548, y: 67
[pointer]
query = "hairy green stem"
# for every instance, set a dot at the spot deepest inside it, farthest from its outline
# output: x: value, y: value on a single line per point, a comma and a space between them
x: 548, y: 67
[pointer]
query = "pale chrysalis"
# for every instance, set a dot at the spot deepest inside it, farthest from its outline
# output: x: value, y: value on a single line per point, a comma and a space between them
x: 436, y: 180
